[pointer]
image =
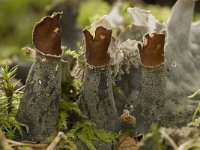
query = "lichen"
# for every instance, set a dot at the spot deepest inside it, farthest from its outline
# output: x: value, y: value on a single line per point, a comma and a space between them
x: 145, y: 18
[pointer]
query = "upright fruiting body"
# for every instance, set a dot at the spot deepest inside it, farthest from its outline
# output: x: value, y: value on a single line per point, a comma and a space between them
x: 130, y: 83
x: 38, y: 110
x: 148, y: 108
x: 96, y: 100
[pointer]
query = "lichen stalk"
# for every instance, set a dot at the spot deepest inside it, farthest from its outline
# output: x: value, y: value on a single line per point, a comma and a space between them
x: 150, y: 104
x: 96, y: 100
x: 39, y: 106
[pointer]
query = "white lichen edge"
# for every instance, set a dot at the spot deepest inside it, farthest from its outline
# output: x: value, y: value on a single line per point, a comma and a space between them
x: 131, y: 53
x: 115, y: 17
x: 124, y: 57
x: 103, y: 22
x: 143, y: 18
x: 49, y: 55
x: 116, y: 54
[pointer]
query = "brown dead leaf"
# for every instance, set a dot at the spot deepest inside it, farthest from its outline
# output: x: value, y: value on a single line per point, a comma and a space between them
x: 127, y: 143
x: 3, y: 142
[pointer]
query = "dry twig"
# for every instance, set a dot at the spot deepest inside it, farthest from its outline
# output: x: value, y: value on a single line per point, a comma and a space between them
x: 55, y: 142
x: 169, y: 139
x: 15, y: 144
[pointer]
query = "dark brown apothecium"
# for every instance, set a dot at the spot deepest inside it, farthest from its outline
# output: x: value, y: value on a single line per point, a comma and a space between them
x: 152, y: 53
x: 46, y: 36
x: 97, y: 47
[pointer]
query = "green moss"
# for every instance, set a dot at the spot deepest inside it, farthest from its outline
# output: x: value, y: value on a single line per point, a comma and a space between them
x: 65, y: 107
x: 87, y: 133
x: 9, y: 102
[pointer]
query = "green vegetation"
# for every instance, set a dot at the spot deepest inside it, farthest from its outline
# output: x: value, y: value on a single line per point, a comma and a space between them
x: 197, y: 110
x: 64, y: 109
x: 157, y: 137
x: 9, y: 101
x: 195, y: 118
x: 90, y: 11
x: 17, y: 21
x: 87, y: 133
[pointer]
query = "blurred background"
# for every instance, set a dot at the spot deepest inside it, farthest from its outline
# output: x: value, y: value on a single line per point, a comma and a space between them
x: 18, y: 17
